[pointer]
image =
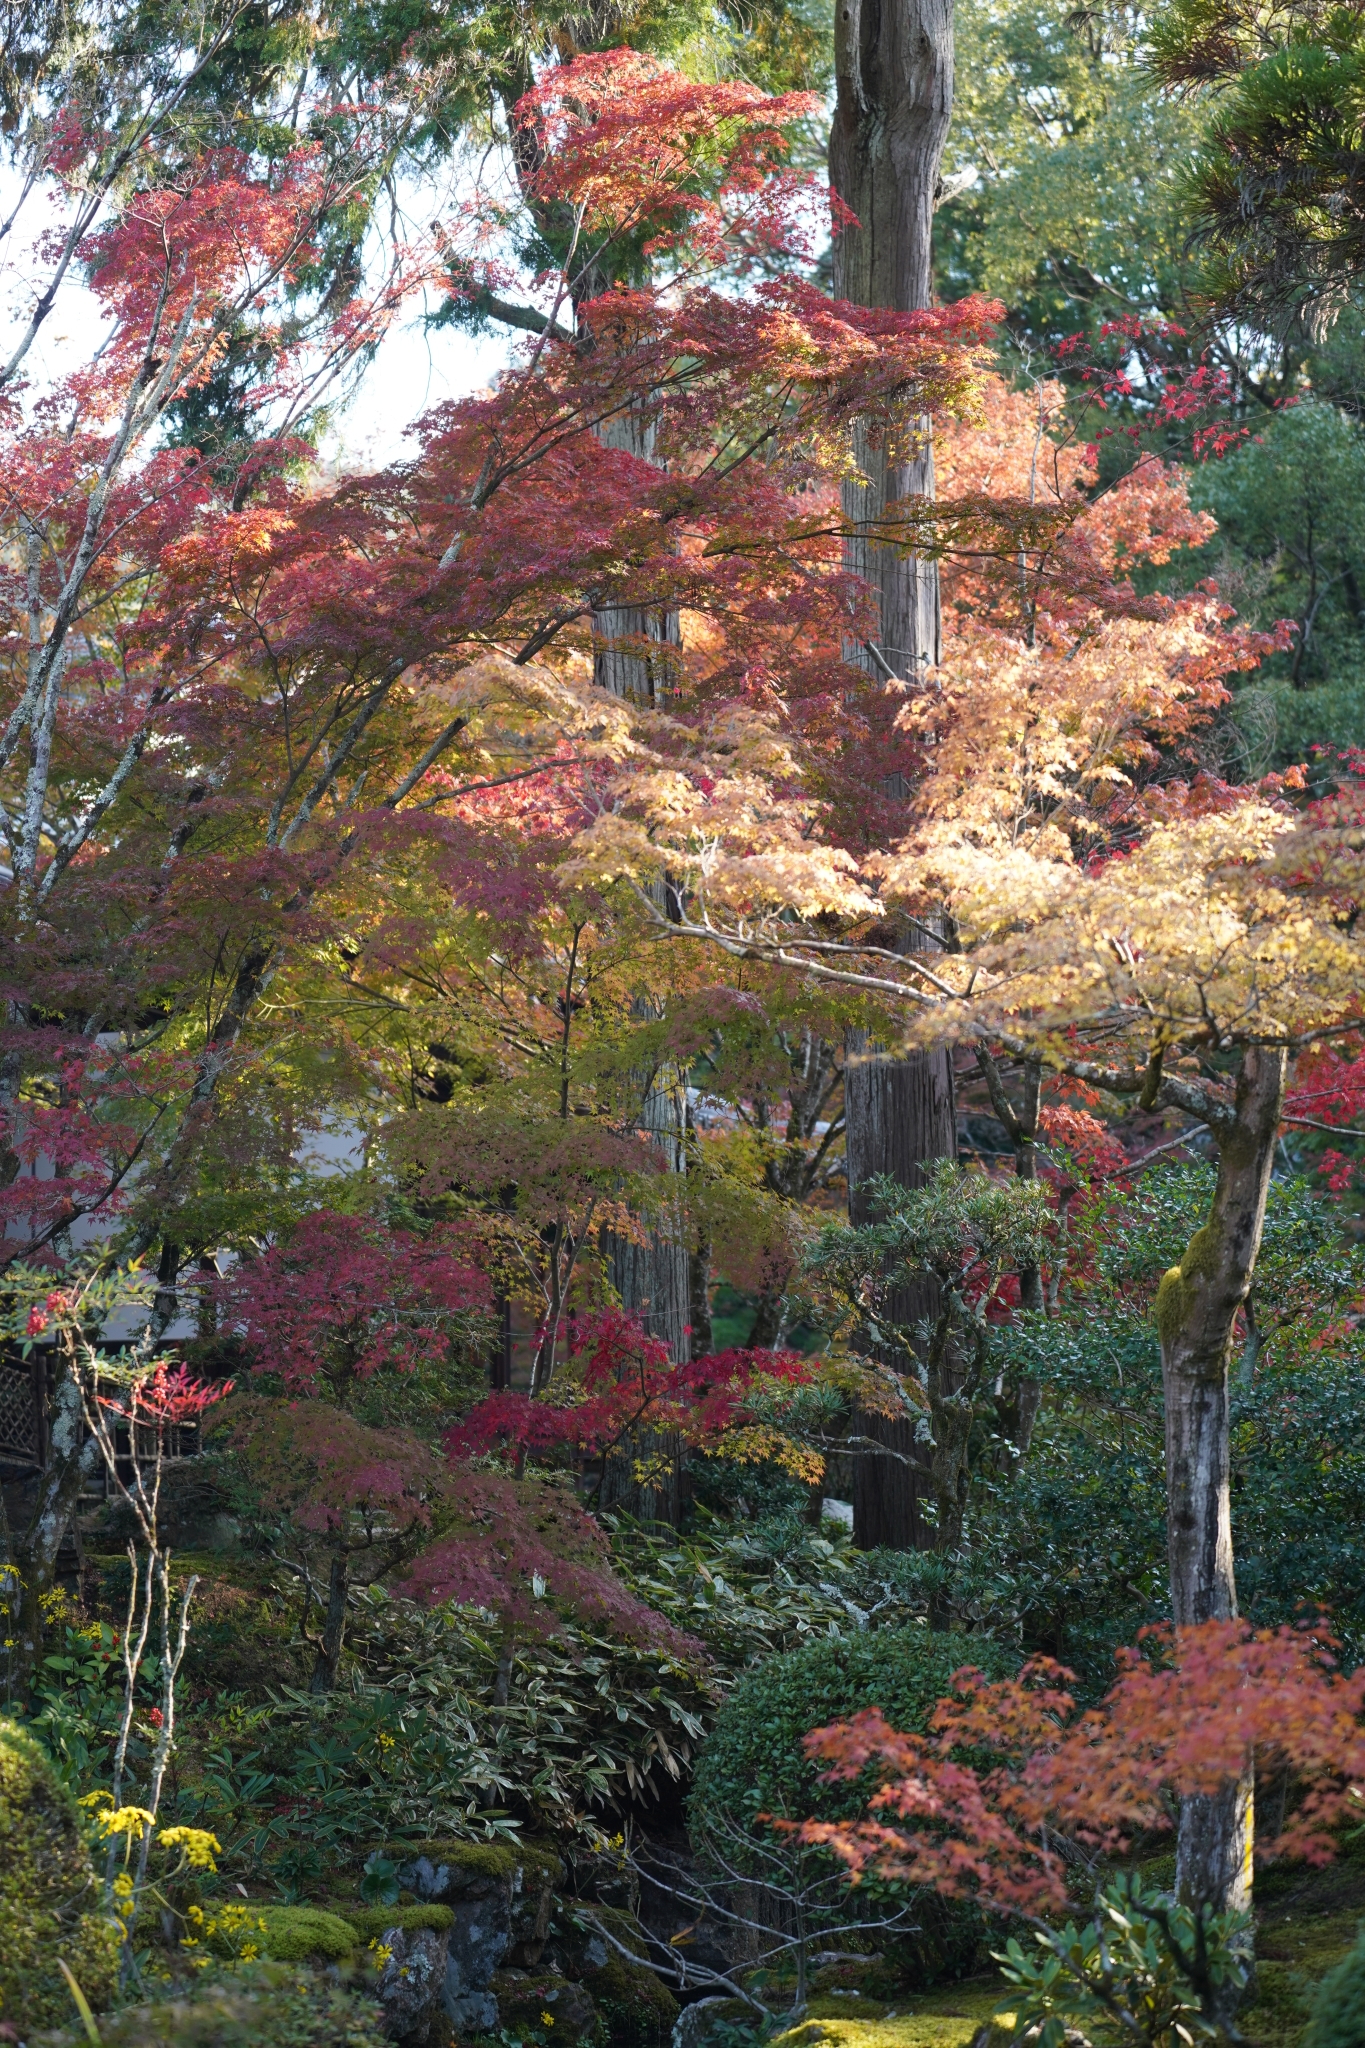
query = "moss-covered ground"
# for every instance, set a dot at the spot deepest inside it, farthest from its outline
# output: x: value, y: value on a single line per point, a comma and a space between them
x: 1307, y: 1920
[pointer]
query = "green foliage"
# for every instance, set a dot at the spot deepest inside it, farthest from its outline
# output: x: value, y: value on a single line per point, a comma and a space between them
x: 958, y: 1221
x: 751, y: 1591
x: 1290, y: 504
x: 264, y: 2007
x: 1068, y: 1550
x: 415, y: 1752
x: 1064, y: 164
x: 50, y: 1906
x: 1140, y: 1964
x: 1338, y: 2016
x: 753, y: 1761
x: 1270, y: 195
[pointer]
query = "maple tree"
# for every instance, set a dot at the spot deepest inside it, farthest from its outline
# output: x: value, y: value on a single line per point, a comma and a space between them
x: 1010, y: 1771
x: 351, y: 762
x: 1170, y: 947
x: 344, y: 1298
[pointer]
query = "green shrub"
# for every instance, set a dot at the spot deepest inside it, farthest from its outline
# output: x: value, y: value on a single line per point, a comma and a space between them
x: 369, y: 1922
x: 752, y: 1761
x: 287, y: 1934
x: 268, y: 2007
x: 1338, y: 2017
x: 49, y: 1899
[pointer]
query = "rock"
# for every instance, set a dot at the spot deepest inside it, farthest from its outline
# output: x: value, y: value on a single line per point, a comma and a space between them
x: 637, y: 2008
x: 411, y: 1987
x: 500, y: 1896
x: 472, y: 2012
x: 694, y: 2021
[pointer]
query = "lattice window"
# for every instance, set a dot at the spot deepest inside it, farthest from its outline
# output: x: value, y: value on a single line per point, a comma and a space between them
x: 18, y: 1417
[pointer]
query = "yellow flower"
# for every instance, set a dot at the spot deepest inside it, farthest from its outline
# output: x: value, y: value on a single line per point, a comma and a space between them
x: 198, y: 1845
x: 382, y: 1953
x: 249, y: 1951
x: 127, y: 1820
x: 547, y: 2019
x: 100, y: 1798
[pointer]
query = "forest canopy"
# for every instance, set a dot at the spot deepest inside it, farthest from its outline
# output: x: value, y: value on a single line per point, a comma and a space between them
x: 681, y: 1100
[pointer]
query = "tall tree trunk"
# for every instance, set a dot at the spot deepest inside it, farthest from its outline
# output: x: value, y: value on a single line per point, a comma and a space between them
x: 899, y: 1119
x: 1196, y: 1311
x: 635, y: 647
x: 894, y: 67
x: 654, y: 1282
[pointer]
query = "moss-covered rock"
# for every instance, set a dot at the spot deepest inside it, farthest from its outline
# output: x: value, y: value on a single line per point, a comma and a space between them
x: 49, y: 1898
x: 869, y: 1976
x: 370, y: 1922
x: 637, y: 2010
x: 271, y: 2006
x: 954, y: 2021
x: 287, y: 1934
x: 471, y: 1867
x: 500, y: 1894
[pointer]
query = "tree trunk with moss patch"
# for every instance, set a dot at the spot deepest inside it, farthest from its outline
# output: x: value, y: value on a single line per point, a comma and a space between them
x: 71, y: 1458
x: 1196, y: 1311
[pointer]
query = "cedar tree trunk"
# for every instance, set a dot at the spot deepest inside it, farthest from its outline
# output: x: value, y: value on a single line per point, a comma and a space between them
x: 899, y: 1119
x: 894, y: 66
x: 1196, y: 1312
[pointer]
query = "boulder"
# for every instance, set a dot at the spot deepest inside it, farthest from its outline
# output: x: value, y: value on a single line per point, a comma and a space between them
x: 411, y: 1985
x: 500, y: 1897
x: 637, y: 2009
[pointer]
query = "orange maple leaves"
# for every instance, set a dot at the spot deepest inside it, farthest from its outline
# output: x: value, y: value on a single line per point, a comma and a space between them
x: 1188, y: 1711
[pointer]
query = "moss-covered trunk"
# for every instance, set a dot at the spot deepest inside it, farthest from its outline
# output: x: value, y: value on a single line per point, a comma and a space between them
x: 1197, y: 1307
x: 70, y: 1458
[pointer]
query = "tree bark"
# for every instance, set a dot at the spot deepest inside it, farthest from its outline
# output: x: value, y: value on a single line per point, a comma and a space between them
x: 635, y: 647
x: 654, y: 1282
x: 333, y: 1635
x: 899, y: 1119
x: 894, y: 69
x: 70, y: 1458
x: 1196, y: 1311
